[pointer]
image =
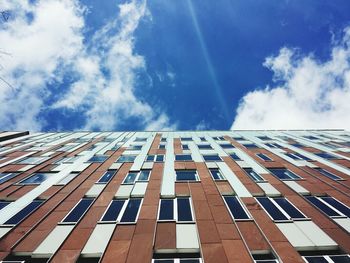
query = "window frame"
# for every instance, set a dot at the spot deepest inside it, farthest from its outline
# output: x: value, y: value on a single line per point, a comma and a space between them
x: 175, y: 208
x: 286, y: 170
x: 183, y: 170
x: 121, y: 156
x: 218, y: 169
x: 324, y: 172
x: 27, y: 215
x: 111, y: 170
x: 32, y: 175
x: 138, y: 173
x: 250, y: 218
x: 82, y: 215
x: 289, y: 219
x: 326, y: 257
x: 341, y: 214
x: 176, y: 260
x: 190, y: 155
x: 252, y: 177
x: 208, y: 161
x: 265, y: 158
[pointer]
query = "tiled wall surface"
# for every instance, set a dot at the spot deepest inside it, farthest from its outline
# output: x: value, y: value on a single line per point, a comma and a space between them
x: 179, y: 197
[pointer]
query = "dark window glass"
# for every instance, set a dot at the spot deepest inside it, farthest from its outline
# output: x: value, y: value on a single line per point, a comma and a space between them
x: 319, y: 259
x: 202, y: 139
x: 160, y: 158
x: 161, y: 146
x: 163, y: 261
x: 126, y: 158
x: 323, y: 207
x: 297, y: 156
x: 328, y: 174
x: 98, y: 159
x: 185, y: 146
x: 186, y: 139
x: 213, y: 157
x: 3, y: 204
x: 144, y: 175
x: 263, y: 156
x: 131, y: 210
x: 186, y: 175
x: 284, y: 174
x: 183, y: 157
x: 135, y: 147
x: 227, y: 146
x: 37, y: 178
x: 107, y: 177
x: 130, y: 178
x: 289, y: 208
x: 273, y: 145
x: 250, y: 146
x: 78, y: 211
x: 337, y: 205
x: 184, y: 212
x: 235, y: 157
x: 189, y: 260
x: 215, y: 173
x: 113, y: 210
x: 204, y: 146
x: 310, y: 137
x: 4, y: 177
x: 235, y: 207
x: 17, y: 218
x: 166, y: 209
x: 140, y: 139
x: 273, y: 211
x: 150, y: 158
x: 326, y: 155
x: 163, y: 140
x: 264, y: 138
x: 253, y: 175
x: 340, y: 259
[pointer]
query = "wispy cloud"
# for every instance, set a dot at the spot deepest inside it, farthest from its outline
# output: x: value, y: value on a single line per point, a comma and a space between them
x: 307, y: 93
x: 46, y: 40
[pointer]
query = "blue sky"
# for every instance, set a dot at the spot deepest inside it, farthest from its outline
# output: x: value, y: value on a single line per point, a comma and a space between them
x: 184, y: 64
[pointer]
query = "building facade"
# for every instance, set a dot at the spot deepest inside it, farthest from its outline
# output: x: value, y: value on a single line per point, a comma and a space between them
x: 176, y: 197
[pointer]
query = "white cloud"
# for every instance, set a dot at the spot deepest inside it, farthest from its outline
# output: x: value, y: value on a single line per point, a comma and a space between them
x: 307, y: 93
x: 51, y: 46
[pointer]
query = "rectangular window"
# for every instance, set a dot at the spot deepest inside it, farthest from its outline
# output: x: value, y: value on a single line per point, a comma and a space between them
x: 186, y: 175
x: 36, y: 178
x: 328, y: 259
x: 131, y: 211
x: 26, y: 211
x: 183, y: 157
x: 204, y: 146
x: 327, y: 156
x: 284, y: 174
x: 106, y: 177
x: 264, y: 138
x: 178, y: 209
x: 227, y: 146
x: 253, y: 175
x: 126, y: 159
x: 113, y: 211
x: 185, y: 147
x: 328, y: 174
x: 3, y: 204
x: 4, y: 177
x: 138, y: 139
x: 78, y: 211
x: 235, y: 157
x: 132, y: 177
x: 161, y: 146
x: 297, y: 156
x: 250, y: 146
x: 263, y: 157
x: 273, y: 145
x: 184, y: 211
x: 177, y: 260
x: 330, y: 206
x: 163, y: 140
x: 236, y: 208
x: 212, y: 157
x: 203, y: 139
x: 135, y: 147
x: 186, y: 139
x: 155, y: 158
x: 159, y: 158
x: 216, y: 174
x: 98, y: 159
x: 280, y: 208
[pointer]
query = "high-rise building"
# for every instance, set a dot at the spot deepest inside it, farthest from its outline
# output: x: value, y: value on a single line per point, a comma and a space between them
x: 176, y: 197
